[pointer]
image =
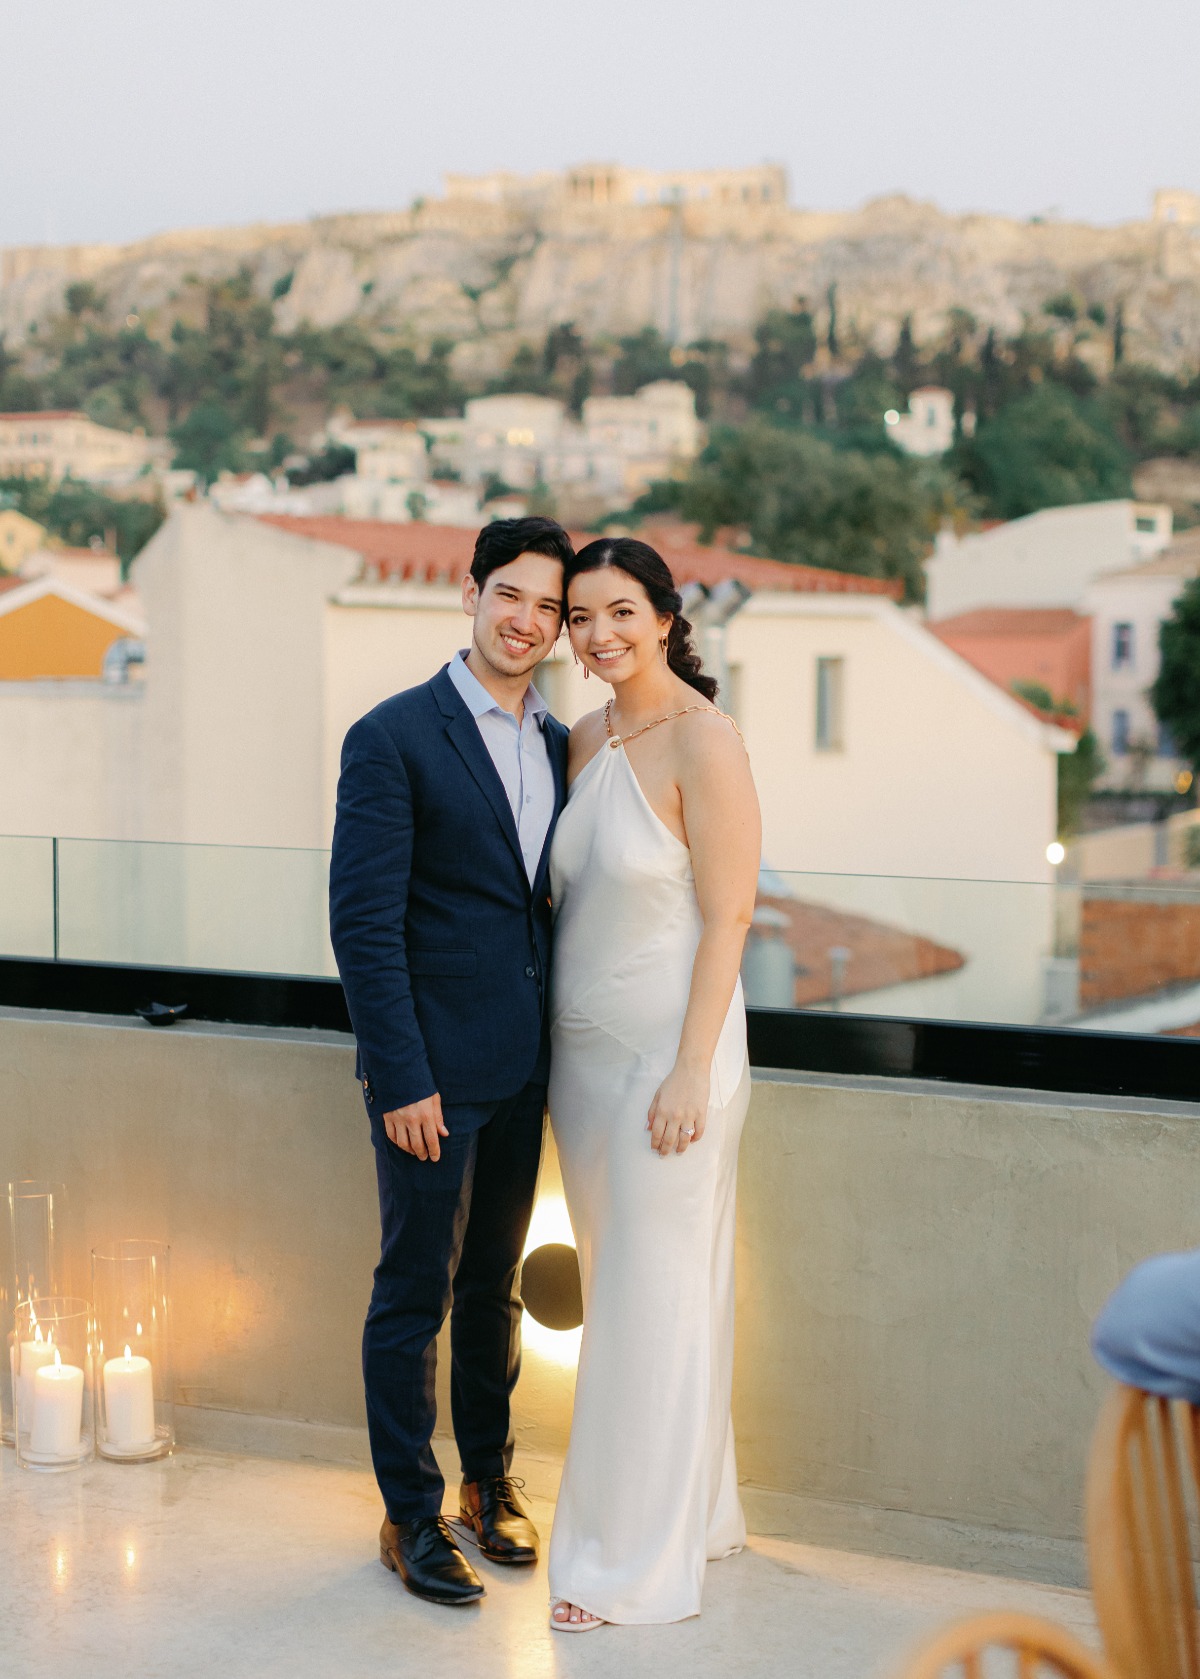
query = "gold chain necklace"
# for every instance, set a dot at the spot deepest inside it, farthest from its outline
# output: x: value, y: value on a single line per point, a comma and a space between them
x: 615, y: 741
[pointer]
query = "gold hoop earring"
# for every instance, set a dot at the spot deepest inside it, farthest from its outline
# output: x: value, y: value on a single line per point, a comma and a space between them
x: 663, y: 649
x: 586, y: 673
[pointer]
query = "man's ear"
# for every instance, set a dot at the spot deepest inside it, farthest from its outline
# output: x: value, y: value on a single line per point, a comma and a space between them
x: 470, y: 596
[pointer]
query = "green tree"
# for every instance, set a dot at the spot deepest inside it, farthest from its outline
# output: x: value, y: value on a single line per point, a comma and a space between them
x: 645, y: 356
x: 803, y: 500
x: 1046, y: 449
x: 1175, y: 695
x: 785, y: 343
x: 77, y: 513
x: 209, y: 441
x: 1078, y: 772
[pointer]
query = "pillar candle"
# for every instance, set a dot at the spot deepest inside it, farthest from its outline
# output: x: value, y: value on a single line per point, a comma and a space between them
x: 29, y: 1358
x: 128, y: 1402
x: 57, y: 1409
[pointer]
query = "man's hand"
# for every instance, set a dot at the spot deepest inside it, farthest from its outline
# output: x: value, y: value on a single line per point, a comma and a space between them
x: 416, y: 1128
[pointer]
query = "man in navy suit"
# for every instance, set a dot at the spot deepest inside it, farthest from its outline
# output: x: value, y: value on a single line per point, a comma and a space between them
x: 440, y: 920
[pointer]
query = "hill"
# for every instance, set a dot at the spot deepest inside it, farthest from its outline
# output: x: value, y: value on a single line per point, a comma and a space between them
x: 490, y: 276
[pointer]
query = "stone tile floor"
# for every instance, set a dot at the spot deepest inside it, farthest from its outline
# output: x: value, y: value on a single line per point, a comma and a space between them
x: 219, y: 1567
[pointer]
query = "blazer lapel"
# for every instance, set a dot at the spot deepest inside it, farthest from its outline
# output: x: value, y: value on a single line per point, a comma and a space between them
x: 556, y: 747
x: 469, y: 742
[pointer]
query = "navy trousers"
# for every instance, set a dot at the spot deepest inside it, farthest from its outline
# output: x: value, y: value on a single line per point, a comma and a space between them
x: 453, y: 1231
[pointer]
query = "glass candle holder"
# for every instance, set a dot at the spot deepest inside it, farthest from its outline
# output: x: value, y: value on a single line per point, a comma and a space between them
x: 52, y: 1365
x: 32, y: 1266
x: 135, y: 1385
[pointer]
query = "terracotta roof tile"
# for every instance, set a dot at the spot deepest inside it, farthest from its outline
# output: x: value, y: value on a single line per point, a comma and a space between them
x: 878, y: 954
x: 1004, y: 620
x: 419, y: 552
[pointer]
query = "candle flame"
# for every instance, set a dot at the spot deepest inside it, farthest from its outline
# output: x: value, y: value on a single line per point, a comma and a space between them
x: 139, y: 1329
x: 37, y: 1332
x: 128, y: 1355
x: 33, y: 1320
x: 57, y: 1359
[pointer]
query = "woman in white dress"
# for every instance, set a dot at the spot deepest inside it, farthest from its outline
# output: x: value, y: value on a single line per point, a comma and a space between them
x: 653, y: 874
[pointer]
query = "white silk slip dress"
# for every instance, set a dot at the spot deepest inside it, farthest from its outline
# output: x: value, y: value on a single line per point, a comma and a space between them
x: 649, y: 1487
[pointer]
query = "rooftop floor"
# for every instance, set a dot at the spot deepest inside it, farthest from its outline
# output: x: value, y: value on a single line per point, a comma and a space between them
x: 253, y: 1568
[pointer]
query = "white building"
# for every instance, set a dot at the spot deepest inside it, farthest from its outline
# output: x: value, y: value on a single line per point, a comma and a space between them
x: 928, y: 426
x: 385, y: 450
x: 1049, y: 558
x: 441, y: 466
x: 1127, y: 609
x: 897, y: 784
x: 63, y: 443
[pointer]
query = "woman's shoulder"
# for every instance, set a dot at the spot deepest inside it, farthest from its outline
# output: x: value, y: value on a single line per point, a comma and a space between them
x: 587, y: 737
x: 710, y: 743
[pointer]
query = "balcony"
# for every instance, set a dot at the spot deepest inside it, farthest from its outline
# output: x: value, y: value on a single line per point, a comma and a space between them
x: 920, y: 1258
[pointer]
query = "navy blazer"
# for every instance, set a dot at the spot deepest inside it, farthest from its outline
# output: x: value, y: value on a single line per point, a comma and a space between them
x: 442, y: 945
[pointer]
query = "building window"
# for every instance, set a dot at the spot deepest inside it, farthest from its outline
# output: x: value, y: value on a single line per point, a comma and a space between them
x: 1148, y: 526
x: 1122, y: 646
x: 1166, y: 745
x: 830, y: 705
x: 1120, y: 733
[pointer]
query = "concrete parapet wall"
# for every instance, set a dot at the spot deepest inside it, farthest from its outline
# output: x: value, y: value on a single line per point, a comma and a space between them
x: 918, y: 1268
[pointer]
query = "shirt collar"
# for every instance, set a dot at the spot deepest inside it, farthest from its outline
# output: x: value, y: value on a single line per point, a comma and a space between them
x: 476, y: 697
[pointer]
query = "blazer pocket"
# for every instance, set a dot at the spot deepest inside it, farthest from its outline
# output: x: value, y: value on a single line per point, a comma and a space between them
x: 443, y: 964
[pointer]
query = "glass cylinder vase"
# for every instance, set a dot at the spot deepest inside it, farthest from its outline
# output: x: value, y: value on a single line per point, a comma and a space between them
x: 51, y: 1362
x: 135, y: 1386
x: 32, y: 1266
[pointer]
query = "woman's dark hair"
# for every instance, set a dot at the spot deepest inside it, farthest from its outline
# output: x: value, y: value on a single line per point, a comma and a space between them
x: 504, y: 540
x: 639, y: 561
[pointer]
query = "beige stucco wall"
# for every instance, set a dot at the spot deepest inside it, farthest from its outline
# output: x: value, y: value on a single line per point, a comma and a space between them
x: 69, y: 755
x: 918, y: 1266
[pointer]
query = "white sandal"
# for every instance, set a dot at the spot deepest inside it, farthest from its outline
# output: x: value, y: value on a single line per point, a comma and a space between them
x: 573, y: 1626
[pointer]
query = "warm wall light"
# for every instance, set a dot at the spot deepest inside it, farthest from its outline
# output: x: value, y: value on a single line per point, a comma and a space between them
x: 550, y: 1326
x: 1055, y: 852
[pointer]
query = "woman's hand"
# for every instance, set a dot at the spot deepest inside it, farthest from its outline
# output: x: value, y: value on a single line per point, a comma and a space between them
x: 679, y: 1109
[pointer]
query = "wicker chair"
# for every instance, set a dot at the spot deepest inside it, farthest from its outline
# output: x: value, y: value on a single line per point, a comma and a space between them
x: 1141, y: 1491
x: 976, y: 1647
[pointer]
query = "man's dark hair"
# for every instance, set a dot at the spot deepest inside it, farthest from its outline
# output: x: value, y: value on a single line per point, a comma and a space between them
x: 503, y: 540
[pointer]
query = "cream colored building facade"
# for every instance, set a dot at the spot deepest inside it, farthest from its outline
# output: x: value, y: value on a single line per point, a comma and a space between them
x: 1127, y: 609
x: 620, y: 445
x: 1045, y: 559
x: 66, y: 444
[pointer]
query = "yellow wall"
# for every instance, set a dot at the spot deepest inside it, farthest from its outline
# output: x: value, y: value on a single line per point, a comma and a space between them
x: 19, y: 537
x: 50, y: 637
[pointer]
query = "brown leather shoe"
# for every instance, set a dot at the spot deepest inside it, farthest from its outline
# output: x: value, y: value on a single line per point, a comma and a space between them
x: 493, y: 1510
x: 423, y: 1553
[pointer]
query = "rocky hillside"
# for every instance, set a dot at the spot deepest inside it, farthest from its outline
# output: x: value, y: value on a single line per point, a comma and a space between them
x: 491, y: 277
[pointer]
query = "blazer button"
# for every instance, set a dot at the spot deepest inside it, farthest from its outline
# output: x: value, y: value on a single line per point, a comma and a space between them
x: 529, y: 974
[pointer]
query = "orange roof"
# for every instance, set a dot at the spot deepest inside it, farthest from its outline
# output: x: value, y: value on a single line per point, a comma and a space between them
x: 42, y: 414
x: 425, y: 553
x: 1005, y: 620
x: 877, y: 954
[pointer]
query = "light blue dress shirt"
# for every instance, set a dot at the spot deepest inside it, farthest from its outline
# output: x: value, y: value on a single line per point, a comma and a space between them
x: 519, y: 753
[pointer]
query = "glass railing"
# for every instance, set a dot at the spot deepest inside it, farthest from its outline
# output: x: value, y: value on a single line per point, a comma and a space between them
x: 245, y: 909
x: 1121, y: 956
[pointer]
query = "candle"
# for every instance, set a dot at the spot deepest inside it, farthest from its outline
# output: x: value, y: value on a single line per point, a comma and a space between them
x: 57, y: 1409
x: 28, y: 1358
x: 128, y: 1403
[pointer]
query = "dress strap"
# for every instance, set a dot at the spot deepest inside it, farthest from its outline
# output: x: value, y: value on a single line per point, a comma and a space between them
x: 619, y: 740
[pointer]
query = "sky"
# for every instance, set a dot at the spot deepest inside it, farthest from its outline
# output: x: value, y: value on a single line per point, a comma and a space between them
x: 123, y: 119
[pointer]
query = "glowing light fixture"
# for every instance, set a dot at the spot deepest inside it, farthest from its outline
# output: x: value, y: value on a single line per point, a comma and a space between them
x: 1055, y: 852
